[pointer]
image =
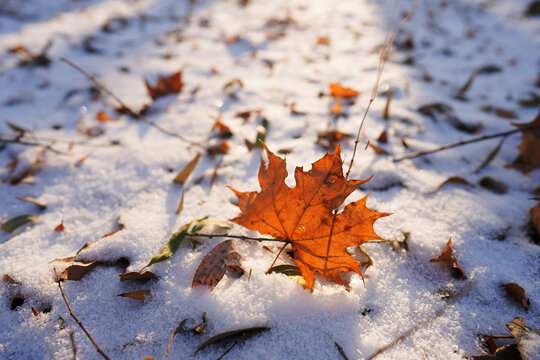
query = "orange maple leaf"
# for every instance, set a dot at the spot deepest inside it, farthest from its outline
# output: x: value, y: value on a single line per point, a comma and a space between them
x: 304, y: 215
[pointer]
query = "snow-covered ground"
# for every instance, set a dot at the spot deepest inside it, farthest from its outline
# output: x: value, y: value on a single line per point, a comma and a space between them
x: 279, y: 61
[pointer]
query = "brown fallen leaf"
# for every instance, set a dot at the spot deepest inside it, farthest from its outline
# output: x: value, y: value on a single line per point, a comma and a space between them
x: 180, y: 204
x: 506, y: 114
x: 76, y: 272
x: 221, y: 148
x: 493, y: 185
x: 145, y: 276
x: 340, y: 93
x: 448, y: 259
x: 183, y: 175
x: 383, y: 137
x: 451, y: 180
x: 378, y: 150
x: 60, y: 227
x: 216, y: 263
x: 101, y: 116
x: 236, y: 335
x: 445, y: 112
x: 121, y: 227
x: 41, y: 206
x: 223, y: 131
x: 248, y: 115
x: 8, y: 279
x: 529, y: 157
x: 182, y: 329
x: 517, y: 293
x: 329, y: 139
x: 323, y: 40
x: 136, y: 295
x: 304, y: 216
x: 90, y: 243
x: 165, y: 85
x: 535, y: 217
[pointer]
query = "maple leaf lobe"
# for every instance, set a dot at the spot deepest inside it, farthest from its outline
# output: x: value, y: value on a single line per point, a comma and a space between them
x: 304, y: 215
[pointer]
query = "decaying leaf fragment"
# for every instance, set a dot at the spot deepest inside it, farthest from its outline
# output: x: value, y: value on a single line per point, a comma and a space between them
x: 529, y: 157
x: 222, y: 258
x: 340, y: 93
x: 16, y: 222
x: 236, y: 335
x: 190, y: 228
x: 517, y: 293
x: 165, y: 85
x: 183, y: 175
x: 448, y: 259
x: 138, y: 295
x: 304, y: 215
x: 137, y: 276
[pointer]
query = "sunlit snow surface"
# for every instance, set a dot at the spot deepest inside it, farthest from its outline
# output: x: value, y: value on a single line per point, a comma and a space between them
x: 133, y: 181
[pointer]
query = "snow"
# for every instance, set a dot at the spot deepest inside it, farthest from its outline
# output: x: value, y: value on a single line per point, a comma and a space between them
x: 133, y: 180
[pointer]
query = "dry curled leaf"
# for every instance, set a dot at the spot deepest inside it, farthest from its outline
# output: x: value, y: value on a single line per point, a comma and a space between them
x: 236, y: 335
x: 529, y: 157
x: 216, y: 263
x: 329, y: 139
x: 340, y: 93
x: 60, y: 227
x: 138, y: 295
x: 517, y: 293
x: 183, y: 175
x: 41, y: 206
x: 451, y: 180
x: 165, y: 85
x: 448, y: 259
x: 140, y: 276
x: 304, y: 215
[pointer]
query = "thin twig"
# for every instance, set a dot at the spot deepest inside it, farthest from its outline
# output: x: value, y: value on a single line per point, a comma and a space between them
x: 426, y: 321
x: 31, y: 143
x: 465, y: 142
x: 124, y: 106
x: 385, y: 53
x: 77, y: 320
x: 73, y: 346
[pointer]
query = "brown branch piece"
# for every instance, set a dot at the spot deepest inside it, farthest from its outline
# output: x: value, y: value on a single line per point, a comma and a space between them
x: 77, y: 319
x: 464, y: 142
x: 124, y: 106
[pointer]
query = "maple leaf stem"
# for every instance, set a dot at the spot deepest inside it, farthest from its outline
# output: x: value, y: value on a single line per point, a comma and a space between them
x: 275, y: 259
x: 133, y: 113
x: 77, y: 319
x: 241, y: 237
x: 465, y: 142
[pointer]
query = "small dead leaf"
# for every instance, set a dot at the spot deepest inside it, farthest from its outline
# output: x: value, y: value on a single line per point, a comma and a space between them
x: 221, y: 148
x: 223, y: 131
x: 84, y: 247
x: 76, y: 272
x: 41, y: 206
x: 248, y: 115
x: 336, y: 90
x: 60, y: 227
x: 137, y: 276
x: 180, y: 204
x: 529, y: 148
x: 323, y: 40
x: 451, y: 180
x: 447, y: 259
x: 183, y: 175
x: 378, y: 150
x: 383, y: 137
x: 178, y: 237
x: 518, y: 294
x: 535, y: 217
x: 493, y: 185
x: 329, y: 139
x: 138, y: 295
x: 8, y: 279
x: 445, y: 112
x: 165, y: 85
x: 14, y: 223
x: 233, y: 335
x: 121, y: 227
x: 505, y: 114
x: 215, y: 264
x: 286, y: 269
x: 103, y: 117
